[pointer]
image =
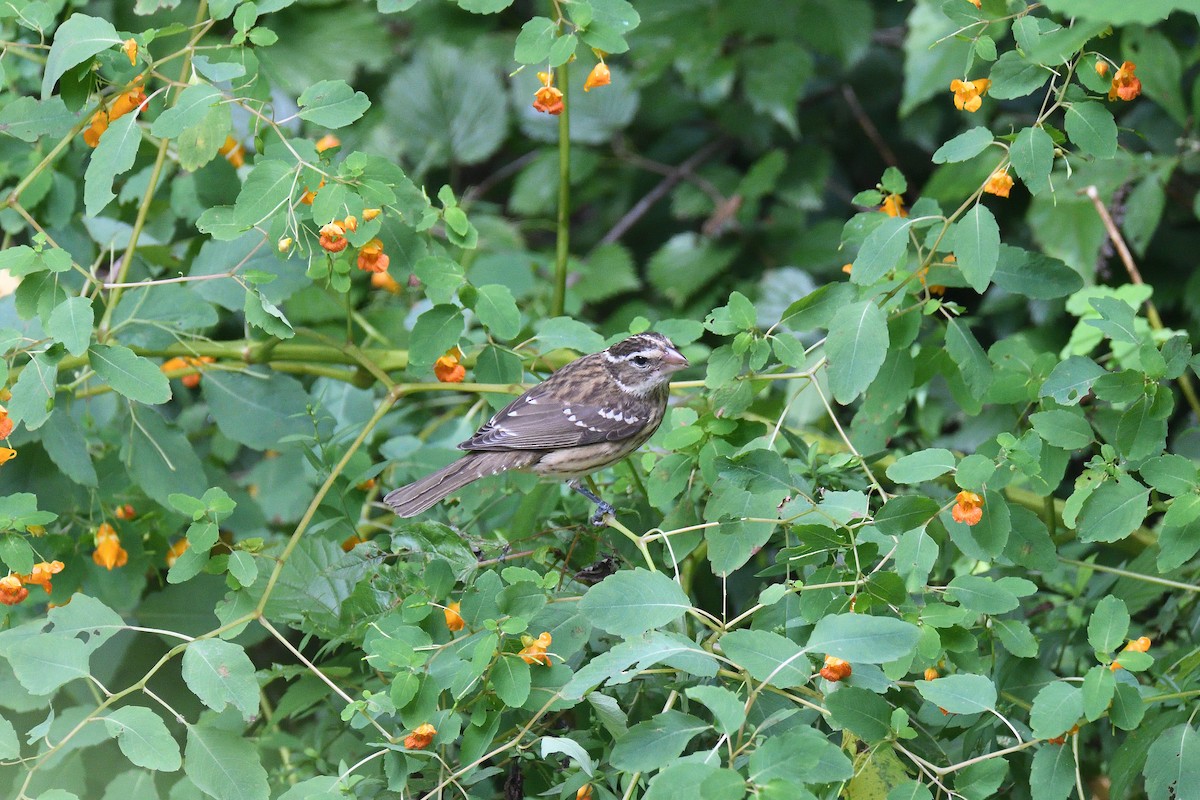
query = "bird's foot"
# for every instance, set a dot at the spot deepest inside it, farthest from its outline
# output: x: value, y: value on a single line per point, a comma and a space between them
x: 603, y: 511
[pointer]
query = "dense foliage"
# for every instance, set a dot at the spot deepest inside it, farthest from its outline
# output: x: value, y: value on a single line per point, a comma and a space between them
x: 922, y: 521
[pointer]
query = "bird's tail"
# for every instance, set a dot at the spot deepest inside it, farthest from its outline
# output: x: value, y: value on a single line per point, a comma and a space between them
x: 410, y: 500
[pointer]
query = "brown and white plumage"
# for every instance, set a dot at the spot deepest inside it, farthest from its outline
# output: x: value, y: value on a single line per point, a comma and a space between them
x: 591, y: 413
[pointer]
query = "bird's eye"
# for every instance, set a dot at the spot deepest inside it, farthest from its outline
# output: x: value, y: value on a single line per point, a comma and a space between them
x: 640, y: 361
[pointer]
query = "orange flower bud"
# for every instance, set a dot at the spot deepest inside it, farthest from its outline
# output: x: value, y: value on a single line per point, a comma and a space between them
x: 599, y: 76
x: 233, y: 151
x: 11, y: 590
x: 328, y: 141
x: 447, y: 369
x: 7, y: 454
x: 176, y: 550
x: 454, y: 620
x: 534, y: 651
x: 1139, y: 645
x: 420, y: 738
x: 109, y: 553
x: 333, y: 238
x: 835, y: 669
x: 371, y: 257
x: 284, y: 244
x: 584, y: 793
x: 968, y: 508
x: 125, y: 512
x: 931, y: 674
x: 1125, y: 84
x: 1101, y: 67
x: 968, y: 95
x: 548, y: 100
x: 371, y: 213
x: 893, y: 206
x: 1000, y: 183
x: 385, y: 281
x: 351, y: 542
x: 846, y: 268
x: 130, y: 47
x: 350, y: 223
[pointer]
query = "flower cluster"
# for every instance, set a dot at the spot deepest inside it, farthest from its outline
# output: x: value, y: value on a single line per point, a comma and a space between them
x: 968, y: 508
x: 535, y: 650
x: 12, y: 586
x: 122, y: 105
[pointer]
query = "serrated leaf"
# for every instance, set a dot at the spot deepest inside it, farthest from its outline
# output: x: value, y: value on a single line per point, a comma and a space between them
x: 1108, y: 625
x: 976, y: 243
x: 1092, y: 129
x: 497, y: 310
x: 657, y: 742
x: 968, y: 356
x: 924, y: 465
x: 535, y: 40
x: 965, y: 146
x: 881, y: 251
x: 129, y: 374
x: 960, y: 694
x: 71, y: 323
x: 262, y: 313
x: 223, y: 765
x: 75, y: 41
x: 1032, y: 155
x: 113, y: 156
x: 189, y: 110
x: 435, y: 332
x: 631, y: 602
x: 861, y: 638
x: 1173, y: 764
x: 220, y: 674
x: 856, y: 348
x: 332, y: 104
x: 1113, y: 511
x: 144, y: 738
x: 511, y: 680
x: 1052, y: 776
x: 1056, y: 709
x: 768, y: 657
x: 727, y: 708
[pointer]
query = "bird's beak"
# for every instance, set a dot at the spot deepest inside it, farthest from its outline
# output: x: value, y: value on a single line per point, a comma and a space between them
x: 674, y: 360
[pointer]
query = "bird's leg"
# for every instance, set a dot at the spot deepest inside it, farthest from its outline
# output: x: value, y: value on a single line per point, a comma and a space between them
x: 603, y: 509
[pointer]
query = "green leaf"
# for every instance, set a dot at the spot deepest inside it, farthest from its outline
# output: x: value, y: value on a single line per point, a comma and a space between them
x: 570, y: 333
x: 1108, y: 625
x: 257, y: 408
x: 960, y: 694
x: 921, y: 466
x: 332, y: 104
x: 965, y: 146
x: 768, y: 657
x: 569, y: 748
x: 856, y: 348
x: 881, y: 251
x: 1032, y: 155
x: 144, y: 738
x: 46, y: 662
x: 1071, y: 380
x: 267, y: 190
x: 71, y: 323
x: 535, y: 40
x: 905, y: 513
x: 510, y: 680
x: 65, y: 444
x: 435, y: 332
x: 1128, y: 708
x: 612, y: 21
x: 1067, y: 428
x: 220, y: 674
x: 497, y: 310
x: 1171, y: 474
x: 1113, y: 511
x: 266, y: 316
x: 691, y: 780
x: 33, y: 393
x: 1013, y: 76
x: 976, y: 242
x: 968, y: 356
x: 135, y: 377
x: 1116, y: 319
x: 1173, y: 764
x: 860, y: 711
x: 645, y: 651
x: 243, y: 568
x: 199, y: 144
x: 113, y: 156
x: 657, y: 742
x: 1056, y: 709
x: 728, y: 710
x: 223, y: 765
x: 1099, y: 685
x: 631, y: 602
x: 190, y: 108
x: 1016, y: 637
x: 816, y: 309
x: 1052, y: 775
x: 982, y: 595
x: 28, y: 118
x: 799, y: 756
x: 863, y: 639
x: 1117, y: 12
x: 10, y: 747
x: 1034, y: 275
x: 161, y: 460
x: 1092, y: 128
x: 16, y: 553
x: 75, y: 41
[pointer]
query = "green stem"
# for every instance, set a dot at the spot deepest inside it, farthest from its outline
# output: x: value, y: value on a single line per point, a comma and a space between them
x: 564, y: 197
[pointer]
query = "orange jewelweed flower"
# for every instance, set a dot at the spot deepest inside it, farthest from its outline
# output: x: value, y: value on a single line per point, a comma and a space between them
x: 125, y: 512
x: 328, y: 141
x: 310, y: 195
x: 1125, y: 84
x: 233, y: 151
x: 385, y: 281
x: 1000, y: 183
x: 835, y: 669
x: 43, y: 571
x: 6, y: 424
x: 548, y: 100
x: 447, y: 369
x: 130, y: 48
x: 1139, y: 645
x: 333, y: 237
x: 109, y: 553
x: 122, y: 105
x: 11, y: 590
x: 371, y: 257
x: 599, y: 76
x: 371, y: 213
x: 454, y: 620
x: 420, y: 738
x: 7, y: 454
x: 176, y: 550
x: 893, y: 206
x: 968, y: 508
x: 968, y: 95
x: 584, y: 793
x: 931, y: 674
x: 534, y: 651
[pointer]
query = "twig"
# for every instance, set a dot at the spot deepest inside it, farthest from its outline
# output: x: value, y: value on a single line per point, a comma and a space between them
x: 867, y: 124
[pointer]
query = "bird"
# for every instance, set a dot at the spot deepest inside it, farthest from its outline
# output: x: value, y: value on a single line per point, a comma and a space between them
x: 591, y: 413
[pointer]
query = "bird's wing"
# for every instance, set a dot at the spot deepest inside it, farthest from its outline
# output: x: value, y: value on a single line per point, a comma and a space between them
x: 539, y: 420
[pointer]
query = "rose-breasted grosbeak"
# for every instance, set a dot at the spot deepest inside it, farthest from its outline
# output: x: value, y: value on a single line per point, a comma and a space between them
x: 591, y: 413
